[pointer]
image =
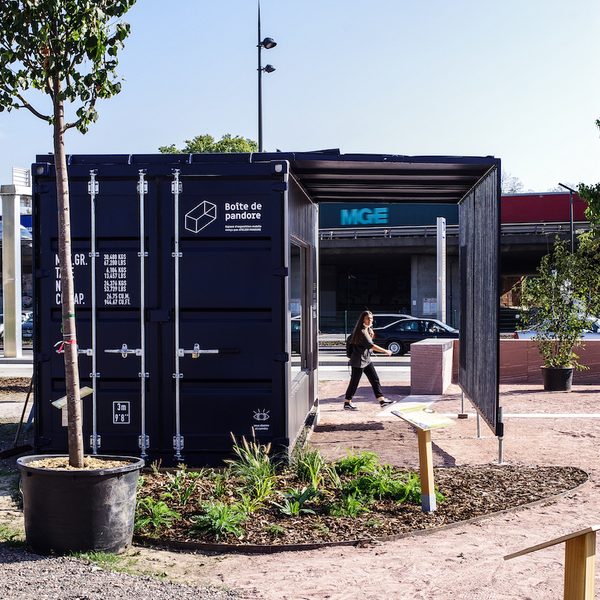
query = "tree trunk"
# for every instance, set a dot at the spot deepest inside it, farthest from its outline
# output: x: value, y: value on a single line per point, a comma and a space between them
x: 67, y: 288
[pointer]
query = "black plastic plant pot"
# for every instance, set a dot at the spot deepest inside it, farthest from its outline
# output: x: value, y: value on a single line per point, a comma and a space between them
x: 79, y: 510
x: 557, y: 379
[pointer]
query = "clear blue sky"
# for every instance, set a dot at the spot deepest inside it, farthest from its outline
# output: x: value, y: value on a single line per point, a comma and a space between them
x: 517, y: 79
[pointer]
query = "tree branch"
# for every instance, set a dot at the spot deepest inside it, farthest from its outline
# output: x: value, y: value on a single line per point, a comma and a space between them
x: 30, y: 108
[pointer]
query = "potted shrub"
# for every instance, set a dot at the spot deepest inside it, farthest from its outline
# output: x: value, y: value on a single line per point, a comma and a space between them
x: 57, y: 58
x: 559, y: 303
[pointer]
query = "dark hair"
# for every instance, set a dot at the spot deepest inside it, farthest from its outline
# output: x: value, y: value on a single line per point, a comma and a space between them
x: 359, y: 326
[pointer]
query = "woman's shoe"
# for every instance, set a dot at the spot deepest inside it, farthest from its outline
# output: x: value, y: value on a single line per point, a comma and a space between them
x: 383, y: 401
x: 350, y: 406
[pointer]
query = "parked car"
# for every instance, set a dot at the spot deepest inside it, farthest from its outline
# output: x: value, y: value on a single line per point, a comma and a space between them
x: 26, y: 327
x: 593, y: 333
x: 385, y: 319
x: 397, y: 337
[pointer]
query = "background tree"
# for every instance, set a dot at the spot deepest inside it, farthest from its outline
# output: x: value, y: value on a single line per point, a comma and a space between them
x: 207, y: 143
x: 510, y: 184
x: 63, y: 54
x: 561, y: 299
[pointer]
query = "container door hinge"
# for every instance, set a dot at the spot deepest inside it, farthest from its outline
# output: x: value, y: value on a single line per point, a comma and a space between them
x: 145, y: 190
x: 146, y: 440
x: 93, y: 187
x: 177, y: 442
x: 146, y: 375
x: 98, y: 441
x: 176, y: 187
x: 281, y: 357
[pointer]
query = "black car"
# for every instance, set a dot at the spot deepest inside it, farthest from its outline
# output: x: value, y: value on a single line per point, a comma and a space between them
x: 397, y: 337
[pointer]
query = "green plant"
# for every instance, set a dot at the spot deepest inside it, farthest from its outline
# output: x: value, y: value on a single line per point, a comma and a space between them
x: 254, y: 467
x: 275, y: 530
x: 155, y: 466
x: 357, y: 462
x: 294, y: 501
x: 559, y: 304
x: 11, y: 536
x: 182, y: 484
x: 249, y: 503
x: 109, y: 561
x: 219, y: 519
x: 153, y: 515
x: 220, y: 485
x: 310, y: 466
x: 381, y: 483
x: 349, y: 506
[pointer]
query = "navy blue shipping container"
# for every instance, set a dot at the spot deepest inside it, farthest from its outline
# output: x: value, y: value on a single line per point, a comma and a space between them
x: 204, y: 320
x: 196, y: 291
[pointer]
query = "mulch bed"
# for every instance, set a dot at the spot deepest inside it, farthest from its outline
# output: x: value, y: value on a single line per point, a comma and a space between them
x: 469, y: 491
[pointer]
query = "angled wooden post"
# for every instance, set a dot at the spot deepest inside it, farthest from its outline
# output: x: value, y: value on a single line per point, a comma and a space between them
x: 580, y: 555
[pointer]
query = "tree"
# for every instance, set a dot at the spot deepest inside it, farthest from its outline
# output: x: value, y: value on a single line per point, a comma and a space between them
x: 510, y: 184
x: 561, y: 298
x: 63, y: 54
x: 206, y: 143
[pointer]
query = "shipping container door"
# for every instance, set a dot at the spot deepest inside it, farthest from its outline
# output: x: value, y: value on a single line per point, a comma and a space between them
x: 226, y: 372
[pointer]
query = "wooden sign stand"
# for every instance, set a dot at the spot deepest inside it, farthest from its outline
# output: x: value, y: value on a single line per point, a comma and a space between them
x: 424, y: 420
x: 580, y: 556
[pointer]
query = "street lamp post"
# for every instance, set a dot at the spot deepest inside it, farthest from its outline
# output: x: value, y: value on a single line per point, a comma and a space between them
x: 267, y: 44
x: 571, y: 192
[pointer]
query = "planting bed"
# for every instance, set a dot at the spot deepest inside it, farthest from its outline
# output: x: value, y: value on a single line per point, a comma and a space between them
x: 468, y: 492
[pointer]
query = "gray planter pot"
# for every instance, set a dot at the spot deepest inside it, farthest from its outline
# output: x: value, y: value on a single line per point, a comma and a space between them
x: 79, y: 511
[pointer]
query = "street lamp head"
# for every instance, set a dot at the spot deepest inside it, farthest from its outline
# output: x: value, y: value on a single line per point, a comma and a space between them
x: 268, y: 43
x: 268, y: 68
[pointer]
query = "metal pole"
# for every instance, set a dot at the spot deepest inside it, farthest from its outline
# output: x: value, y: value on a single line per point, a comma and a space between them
x: 441, y: 268
x: 500, y: 439
x: 93, y: 255
x: 571, y: 220
x: 142, y: 189
x: 462, y: 414
x: 177, y: 375
x: 571, y: 191
x: 478, y: 426
x: 259, y: 46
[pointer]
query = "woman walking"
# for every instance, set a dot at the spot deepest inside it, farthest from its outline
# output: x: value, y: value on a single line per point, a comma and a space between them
x: 360, y: 361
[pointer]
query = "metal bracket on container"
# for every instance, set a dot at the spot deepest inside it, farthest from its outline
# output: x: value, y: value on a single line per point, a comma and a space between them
x: 178, y: 442
x: 60, y: 349
x: 93, y: 187
x: 98, y: 441
x: 93, y: 254
x: 146, y: 443
x: 145, y: 188
x: 94, y: 375
x: 146, y: 375
x: 176, y: 187
x: 177, y: 375
x: 196, y: 351
x: 124, y: 351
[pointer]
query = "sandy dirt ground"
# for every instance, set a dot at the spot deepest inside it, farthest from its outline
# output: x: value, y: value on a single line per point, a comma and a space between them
x: 464, y: 561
